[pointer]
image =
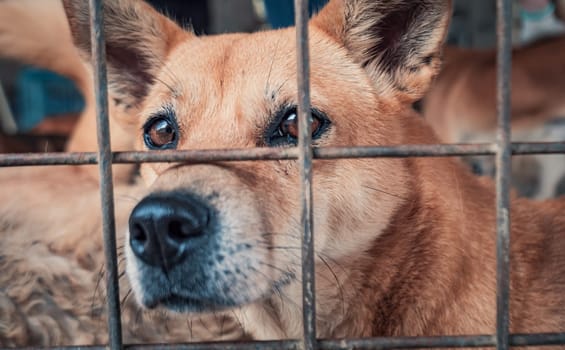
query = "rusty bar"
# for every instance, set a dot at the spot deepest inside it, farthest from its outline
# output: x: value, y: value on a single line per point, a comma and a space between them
x: 462, y: 341
x: 538, y: 148
x: 469, y: 341
x: 503, y: 172
x: 274, y: 345
x: 105, y: 166
x: 404, y: 151
x: 225, y: 155
x: 305, y: 157
x: 45, y: 159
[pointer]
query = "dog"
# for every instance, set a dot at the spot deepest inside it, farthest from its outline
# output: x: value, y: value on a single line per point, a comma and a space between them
x: 52, y: 285
x: 461, y: 107
x: 403, y: 246
x: 37, y: 33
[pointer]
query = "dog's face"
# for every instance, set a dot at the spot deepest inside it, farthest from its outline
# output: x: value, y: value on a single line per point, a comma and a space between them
x: 223, y: 235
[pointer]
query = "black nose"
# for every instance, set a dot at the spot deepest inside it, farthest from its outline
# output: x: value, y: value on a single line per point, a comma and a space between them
x: 165, y: 227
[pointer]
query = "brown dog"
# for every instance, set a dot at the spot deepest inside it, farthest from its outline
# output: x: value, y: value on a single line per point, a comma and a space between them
x: 51, y: 260
x: 462, y: 100
x: 37, y: 33
x: 403, y: 246
x: 461, y: 107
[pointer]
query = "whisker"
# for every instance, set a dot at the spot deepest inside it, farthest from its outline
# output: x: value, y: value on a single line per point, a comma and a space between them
x: 127, y: 197
x: 271, y: 66
x: 125, y: 298
x: 189, y: 325
x: 171, y: 75
x: 237, y: 320
x: 274, y: 268
x: 138, y: 315
x: 173, y: 91
x: 385, y: 192
x: 206, y: 327
x: 98, y: 280
x: 223, y: 323
x: 339, y: 286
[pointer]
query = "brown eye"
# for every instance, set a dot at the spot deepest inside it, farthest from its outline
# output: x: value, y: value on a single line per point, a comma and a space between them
x: 283, y: 130
x: 160, y: 133
x: 289, y: 125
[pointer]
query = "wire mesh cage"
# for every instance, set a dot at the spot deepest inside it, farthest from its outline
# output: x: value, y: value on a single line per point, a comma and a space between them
x: 503, y: 149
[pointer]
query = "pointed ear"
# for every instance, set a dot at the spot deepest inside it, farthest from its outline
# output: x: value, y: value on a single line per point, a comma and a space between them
x: 398, y: 42
x: 138, y: 41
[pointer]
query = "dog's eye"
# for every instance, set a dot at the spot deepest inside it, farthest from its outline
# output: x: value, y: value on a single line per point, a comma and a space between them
x: 289, y: 125
x: 287, y: 129
x: 160, y: 133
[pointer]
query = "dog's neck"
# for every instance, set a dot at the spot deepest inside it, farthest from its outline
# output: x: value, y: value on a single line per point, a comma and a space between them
x: 404, y: 284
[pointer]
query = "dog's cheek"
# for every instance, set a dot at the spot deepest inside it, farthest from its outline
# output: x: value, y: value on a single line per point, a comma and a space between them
x: 236, y: 266
x: 359, y: 201
x: 148, y: 174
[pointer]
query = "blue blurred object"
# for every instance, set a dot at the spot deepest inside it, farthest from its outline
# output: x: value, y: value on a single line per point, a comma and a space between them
x: 40, y: 93
x: 280, y: 13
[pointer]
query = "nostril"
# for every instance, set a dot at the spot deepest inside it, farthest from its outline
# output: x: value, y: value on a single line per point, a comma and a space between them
x: 176, y: 231
x: 138, y: 234
x: 180, y: 230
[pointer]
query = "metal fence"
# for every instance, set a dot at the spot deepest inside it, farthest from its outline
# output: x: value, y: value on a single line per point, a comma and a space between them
x: 502, y: 149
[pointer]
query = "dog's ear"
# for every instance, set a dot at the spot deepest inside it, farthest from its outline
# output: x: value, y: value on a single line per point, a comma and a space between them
x: 398, y: 42
x: 138, y: 40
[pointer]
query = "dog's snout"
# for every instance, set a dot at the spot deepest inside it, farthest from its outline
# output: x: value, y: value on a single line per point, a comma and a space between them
x: 165, y: 228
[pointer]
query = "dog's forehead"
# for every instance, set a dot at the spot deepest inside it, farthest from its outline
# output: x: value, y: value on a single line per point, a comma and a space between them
x: 225, y: 89
x: 255, y: 64
x: 234, y: 58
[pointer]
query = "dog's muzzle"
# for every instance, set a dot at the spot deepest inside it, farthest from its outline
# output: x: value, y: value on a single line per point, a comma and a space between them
x: 198, y: 246
x: 166, y: 228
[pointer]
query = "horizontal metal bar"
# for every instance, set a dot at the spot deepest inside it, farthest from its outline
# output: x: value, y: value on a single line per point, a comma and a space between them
x: 403, y: 151
x: 246, y: 154
x: 471, y: 341
x: 468, y: 341
x: 89, y: 158
x: 538, y: 148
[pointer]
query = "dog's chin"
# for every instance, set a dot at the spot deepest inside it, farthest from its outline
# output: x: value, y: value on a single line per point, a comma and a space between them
x: 178, y: 303
x: 181, y: 304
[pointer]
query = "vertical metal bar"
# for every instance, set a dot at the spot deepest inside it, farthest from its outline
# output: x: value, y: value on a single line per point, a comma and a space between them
x: 305, y: 161
x: 503, y: 172
x: 105, y: 167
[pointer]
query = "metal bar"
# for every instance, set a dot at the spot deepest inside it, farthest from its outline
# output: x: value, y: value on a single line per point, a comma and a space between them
x: 105, y: 166
x: 305, y: 157
x: 404, y: 151
x: 257, y: 154
x: 467, y: 341
x: 503, y: 173
x: 538, y: 148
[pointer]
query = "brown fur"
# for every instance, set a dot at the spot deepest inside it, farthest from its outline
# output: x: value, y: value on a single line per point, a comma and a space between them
x: 462, y: 100
x: 52, y: 283
x: 403, y: 246
x: 461, y: 107
x: 37, y: 33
